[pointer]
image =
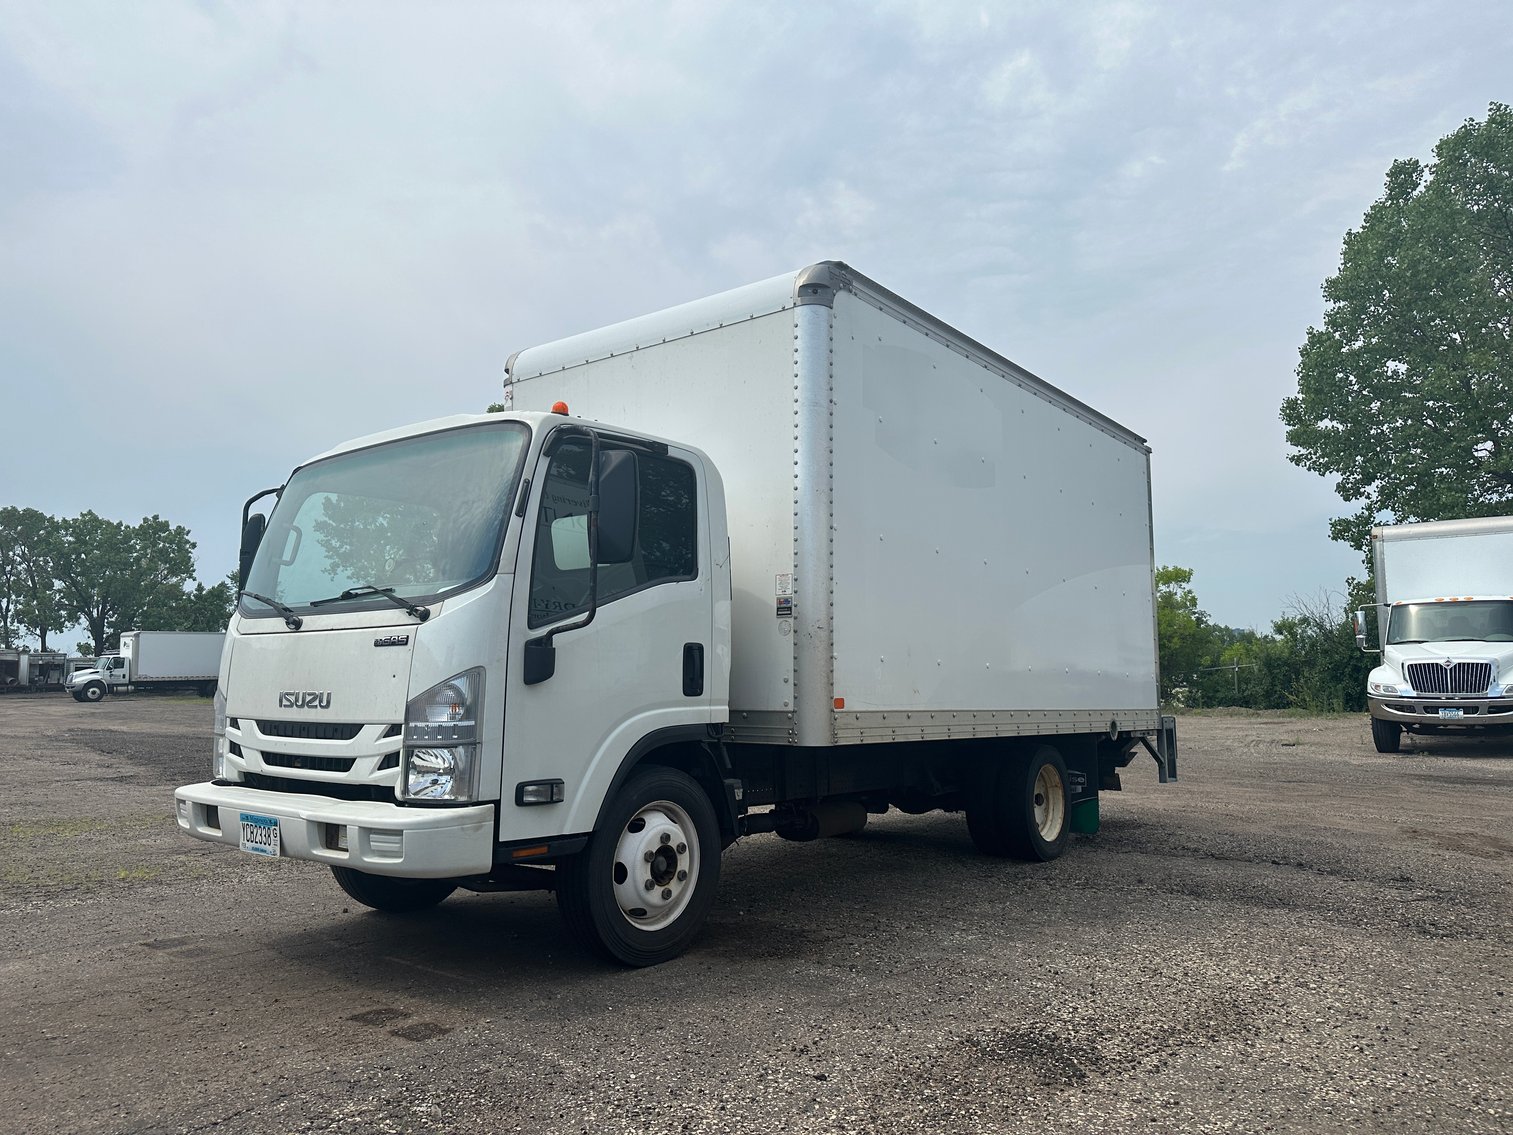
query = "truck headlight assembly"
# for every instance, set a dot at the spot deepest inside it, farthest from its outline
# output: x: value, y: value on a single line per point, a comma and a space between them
x: 218, y: 747
x: 1388, y: 689
x: 441, y: 740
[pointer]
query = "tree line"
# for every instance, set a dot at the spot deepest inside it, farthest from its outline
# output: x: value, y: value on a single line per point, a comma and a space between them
x: 109, y: 576
x: 1309, y: 660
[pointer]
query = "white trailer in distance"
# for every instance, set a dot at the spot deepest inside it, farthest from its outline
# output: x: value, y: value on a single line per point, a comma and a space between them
x: 797, y: 553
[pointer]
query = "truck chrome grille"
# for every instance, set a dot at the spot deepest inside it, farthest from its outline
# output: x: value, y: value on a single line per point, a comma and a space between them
x: 1461, y: 678
x: 310, y: 730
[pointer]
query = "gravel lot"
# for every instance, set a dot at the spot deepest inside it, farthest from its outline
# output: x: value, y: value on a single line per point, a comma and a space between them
x: 1302, y: 935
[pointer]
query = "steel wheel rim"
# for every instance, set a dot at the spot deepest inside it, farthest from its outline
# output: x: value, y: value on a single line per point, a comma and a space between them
x: 1049, y: 802
x: 656, y: 865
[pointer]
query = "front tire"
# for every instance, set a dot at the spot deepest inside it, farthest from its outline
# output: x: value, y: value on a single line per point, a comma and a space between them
x: 1387, y: 736
x: 640, y: 891
x: 1020, y: 809
x: 95, y: 691
x: 387, y: 893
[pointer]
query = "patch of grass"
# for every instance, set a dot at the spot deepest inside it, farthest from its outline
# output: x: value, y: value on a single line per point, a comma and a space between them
x: 71, y: 827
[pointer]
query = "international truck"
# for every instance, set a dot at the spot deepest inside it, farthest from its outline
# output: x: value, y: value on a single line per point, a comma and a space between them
x: 1444, y: 613
x: 769, y: 562
x: 157, y: 660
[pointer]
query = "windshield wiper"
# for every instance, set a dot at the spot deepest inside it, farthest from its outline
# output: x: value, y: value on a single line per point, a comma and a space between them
x: 291, y: 620
x: 421, y: 613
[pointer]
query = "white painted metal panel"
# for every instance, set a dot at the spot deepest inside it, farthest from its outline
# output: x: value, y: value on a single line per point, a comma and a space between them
x: 729, y: 392
x: 992, y: 546
x: 173, y: 655
x: 1444, y: 558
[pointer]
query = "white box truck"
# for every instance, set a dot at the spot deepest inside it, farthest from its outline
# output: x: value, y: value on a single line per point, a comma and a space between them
x: 1444, y: 609
x: 771, y: 561
x: 160, y: 660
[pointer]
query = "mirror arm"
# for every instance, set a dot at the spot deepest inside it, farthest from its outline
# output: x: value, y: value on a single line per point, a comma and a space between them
x: 544, y: 642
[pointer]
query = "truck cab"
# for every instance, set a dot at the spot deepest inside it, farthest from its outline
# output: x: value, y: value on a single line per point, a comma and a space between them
x: 1447, y: 662
x: 454, y: 645
x: 92, y: 683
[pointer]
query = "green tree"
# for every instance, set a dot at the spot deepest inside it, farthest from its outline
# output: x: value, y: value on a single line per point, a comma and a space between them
x: 1185, y: 636
x: 28, y: 540
x: 112, y: 575
x: 1406, y: 392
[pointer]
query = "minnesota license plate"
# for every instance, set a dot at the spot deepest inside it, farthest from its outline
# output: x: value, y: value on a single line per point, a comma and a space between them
x: 1446, y: 711
x: 260, y: 834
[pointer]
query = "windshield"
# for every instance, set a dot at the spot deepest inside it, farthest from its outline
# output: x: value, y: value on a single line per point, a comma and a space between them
x: 424, y: 516
x: 1483, y: 621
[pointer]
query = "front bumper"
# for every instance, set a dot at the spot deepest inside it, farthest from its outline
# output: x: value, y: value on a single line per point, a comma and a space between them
x: 382, y: 839
x: 1424, y: 709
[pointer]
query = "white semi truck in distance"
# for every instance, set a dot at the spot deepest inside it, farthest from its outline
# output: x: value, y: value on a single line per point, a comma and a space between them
x: 156, y: 660
x: 1444, y: 613
x: 771, y: 561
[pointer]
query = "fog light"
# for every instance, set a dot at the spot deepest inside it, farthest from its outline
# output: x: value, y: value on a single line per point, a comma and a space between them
x: 540, y: 792
x: 336, y: 837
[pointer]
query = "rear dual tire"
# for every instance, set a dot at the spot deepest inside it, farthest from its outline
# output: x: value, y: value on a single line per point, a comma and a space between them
x: 1020, y: 808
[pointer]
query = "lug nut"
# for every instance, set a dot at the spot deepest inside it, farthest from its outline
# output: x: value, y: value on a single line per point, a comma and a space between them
x: 682, y: 849
x: 667, y: 894
x: 650, y: 886
x: 666, y: 839
x: 682, y: 876
x: 649, y: 856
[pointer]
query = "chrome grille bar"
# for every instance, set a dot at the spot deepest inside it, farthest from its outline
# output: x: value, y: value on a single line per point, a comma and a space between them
x: 1461, y: 678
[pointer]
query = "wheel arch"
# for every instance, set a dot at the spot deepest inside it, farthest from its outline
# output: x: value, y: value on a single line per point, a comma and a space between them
x: 690, y: 749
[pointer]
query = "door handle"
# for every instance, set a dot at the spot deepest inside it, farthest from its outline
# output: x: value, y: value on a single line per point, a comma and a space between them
x: 693, y: 669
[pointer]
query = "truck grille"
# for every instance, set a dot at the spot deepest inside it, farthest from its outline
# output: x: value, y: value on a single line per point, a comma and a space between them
x: 310, y: 764
x: 336, y: 790
x: 310, y: 730
x: 1461, y: 678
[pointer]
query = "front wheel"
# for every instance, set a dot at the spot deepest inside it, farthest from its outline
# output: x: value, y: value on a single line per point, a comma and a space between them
x: 641, y: 889
x: 1020, y: 808
x: 95, y: 691
x: 397, y: 896
x: 1387, y: 736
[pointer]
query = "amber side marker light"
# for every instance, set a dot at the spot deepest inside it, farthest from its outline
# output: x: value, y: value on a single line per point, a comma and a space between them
x: 528, y: 852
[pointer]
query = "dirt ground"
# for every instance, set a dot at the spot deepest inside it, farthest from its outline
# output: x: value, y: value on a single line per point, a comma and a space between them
x: 1301, y: 935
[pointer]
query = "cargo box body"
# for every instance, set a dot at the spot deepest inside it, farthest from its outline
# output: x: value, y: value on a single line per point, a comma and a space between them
x: 927, y: 541
x: 173, y: 656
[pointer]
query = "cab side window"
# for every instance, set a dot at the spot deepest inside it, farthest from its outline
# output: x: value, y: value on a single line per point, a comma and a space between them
x: 666, y: 542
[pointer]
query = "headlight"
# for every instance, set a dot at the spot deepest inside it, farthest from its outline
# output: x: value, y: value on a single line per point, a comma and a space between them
x: 1387, y: 688
x: 441, y: 740
x: 218, y: 750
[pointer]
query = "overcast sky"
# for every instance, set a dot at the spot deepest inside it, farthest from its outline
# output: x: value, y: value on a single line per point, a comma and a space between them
x: 232, y: 235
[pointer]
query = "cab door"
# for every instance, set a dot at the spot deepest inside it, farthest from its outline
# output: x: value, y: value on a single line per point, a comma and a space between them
x: 638, y: 668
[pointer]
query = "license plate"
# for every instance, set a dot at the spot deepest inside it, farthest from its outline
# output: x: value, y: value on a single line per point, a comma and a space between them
x: 260, y: 834
x: 1446, y: 711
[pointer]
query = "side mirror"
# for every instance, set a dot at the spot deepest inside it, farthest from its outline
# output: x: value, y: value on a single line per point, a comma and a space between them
x: 252, y: 536
x: 618, y: 506
x: 1360, y: 632
x: 540, y: 660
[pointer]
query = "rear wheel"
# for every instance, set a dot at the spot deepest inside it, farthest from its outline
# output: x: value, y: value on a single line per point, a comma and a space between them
x: 639, y: 892
x: 1387, y: 736
x: 1020, y: 806
x: 398, y: 896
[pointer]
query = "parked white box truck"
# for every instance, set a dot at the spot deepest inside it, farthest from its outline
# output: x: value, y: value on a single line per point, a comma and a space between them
x: 161, y: 660
x: 1444, y: 612
x: 798, y: 553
